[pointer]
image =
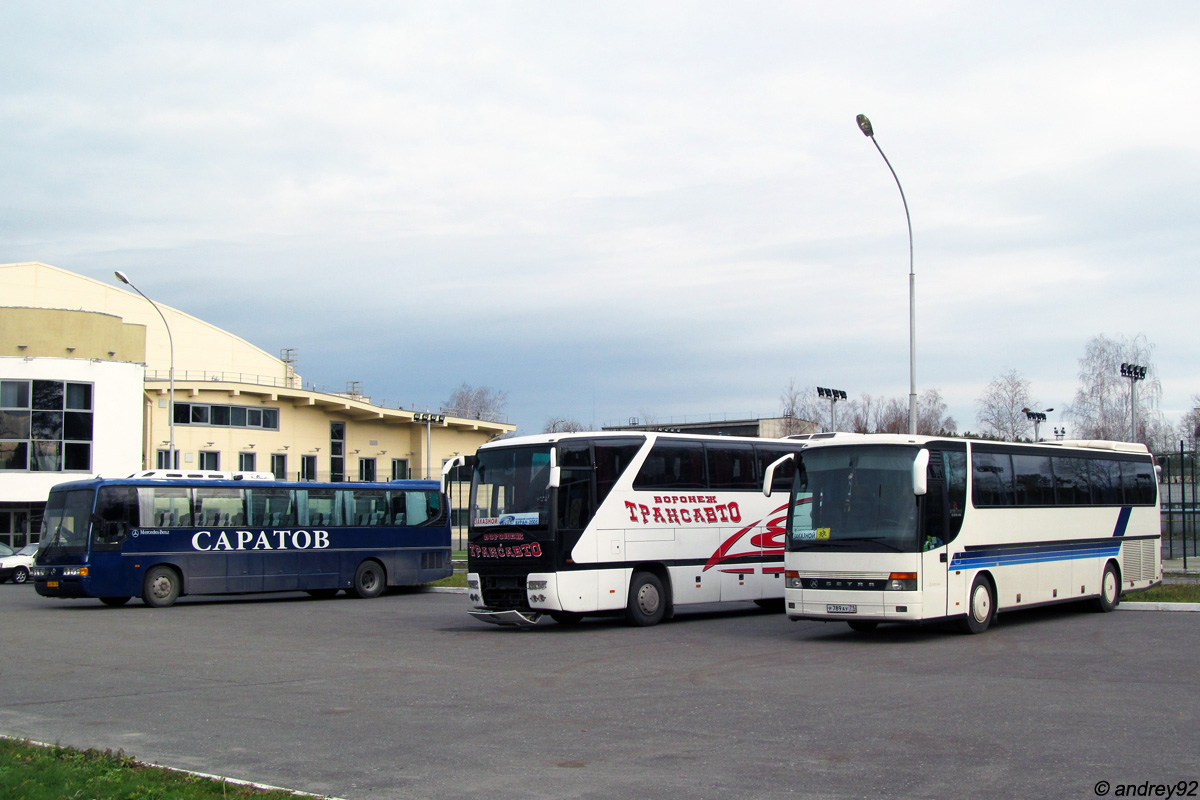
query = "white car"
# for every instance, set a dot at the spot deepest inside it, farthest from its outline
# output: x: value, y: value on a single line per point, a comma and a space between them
x: 16, y: 564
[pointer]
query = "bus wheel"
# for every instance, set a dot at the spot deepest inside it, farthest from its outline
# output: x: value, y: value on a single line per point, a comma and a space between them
x: 566, y: 617
x: 863, y: 626
x: 647, y: 600
x: 161, y: 587
x: 980, y: 606
x: 369, y: 580
x: 114, y: 601
x: 1110, y: 590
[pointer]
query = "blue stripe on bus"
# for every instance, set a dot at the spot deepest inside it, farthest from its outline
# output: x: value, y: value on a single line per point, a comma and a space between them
x: 1122, y: 521
x: 1016, y: 554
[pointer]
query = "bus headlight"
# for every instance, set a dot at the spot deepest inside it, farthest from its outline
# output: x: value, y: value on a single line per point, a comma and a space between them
x: 38, y: 572
x: 902, y: 582
x: 537, y: 586
x: 791, y: 579
x: 75, y: 572
x: 472, y: 583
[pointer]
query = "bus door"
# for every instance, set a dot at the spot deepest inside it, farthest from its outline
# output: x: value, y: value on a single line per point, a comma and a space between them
x: 941, y: 520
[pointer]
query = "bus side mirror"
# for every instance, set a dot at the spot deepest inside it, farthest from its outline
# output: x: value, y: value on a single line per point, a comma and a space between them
x: 450, y: 464
x: 920, y: 473
x: 555, y: 471
x: 769, y: 474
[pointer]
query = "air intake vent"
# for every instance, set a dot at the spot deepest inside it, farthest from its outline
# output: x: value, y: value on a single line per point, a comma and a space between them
x: 1137, y: 560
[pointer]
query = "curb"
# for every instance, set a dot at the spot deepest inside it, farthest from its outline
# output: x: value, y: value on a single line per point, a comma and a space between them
x: 1159, y: 607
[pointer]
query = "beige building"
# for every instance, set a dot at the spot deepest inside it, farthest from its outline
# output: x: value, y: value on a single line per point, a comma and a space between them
x: 68, y: 341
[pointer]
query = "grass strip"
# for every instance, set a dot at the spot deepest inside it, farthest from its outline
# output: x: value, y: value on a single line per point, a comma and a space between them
x: 30, y: 771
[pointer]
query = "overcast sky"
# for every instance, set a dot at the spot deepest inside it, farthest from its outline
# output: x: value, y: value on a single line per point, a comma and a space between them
x: 613, y: 210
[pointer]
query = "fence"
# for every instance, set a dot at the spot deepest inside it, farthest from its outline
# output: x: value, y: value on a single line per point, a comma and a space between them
x: 1177, y: 490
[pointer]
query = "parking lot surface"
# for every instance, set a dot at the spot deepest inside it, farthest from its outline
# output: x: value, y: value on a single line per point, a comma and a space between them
x: 406, y: 696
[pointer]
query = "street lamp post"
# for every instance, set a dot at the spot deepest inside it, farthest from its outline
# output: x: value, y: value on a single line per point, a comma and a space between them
x: 834, y: 395
x: 170, y: 375
x: 864, y: 125
x: 1135, y: 373
x: 1037, y: 417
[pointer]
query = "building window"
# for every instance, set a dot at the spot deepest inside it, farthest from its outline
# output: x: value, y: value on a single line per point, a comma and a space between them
x: 247, y: 462
x: 366, y: 469
x: 224, y: 416
x: 308, y: 468
x: 399, y: 469
x: 337, y: 458
x: 45, y: 426
x: 210, y: 459
x: 162, y: 458
x: 279, y: 466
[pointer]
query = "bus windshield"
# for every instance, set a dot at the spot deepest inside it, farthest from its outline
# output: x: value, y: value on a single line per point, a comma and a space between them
x: 856, y: 499
x: 65, y: 524
x: 511, y: 487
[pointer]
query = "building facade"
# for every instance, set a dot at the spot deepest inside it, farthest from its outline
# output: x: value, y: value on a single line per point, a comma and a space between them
x: 85, y: 389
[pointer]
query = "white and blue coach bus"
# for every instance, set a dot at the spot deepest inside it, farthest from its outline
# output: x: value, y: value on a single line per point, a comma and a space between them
x: 162, y: 538
x: 893, y: 528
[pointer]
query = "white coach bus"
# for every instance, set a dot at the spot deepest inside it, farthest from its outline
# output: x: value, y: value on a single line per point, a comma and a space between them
x: 893, y: 528
x: 622, y: 522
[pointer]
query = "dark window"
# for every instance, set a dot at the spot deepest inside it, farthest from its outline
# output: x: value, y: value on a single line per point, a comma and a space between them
x: 183, y: 413
x: 308, y: 468
x: 1034, y: 480
x: 237, y: 417
x: 219, y: 415
x: 279, y: 466
x: 612, y: 459
x: 672, y: 464
x: 730, y: 466
x: 79, y: 396
x: 47, y: 425
x: 1071, y: 483
x: 1105, y: 477
x: 77, y: 456
x: 48, y: 395
x: 992, y: 479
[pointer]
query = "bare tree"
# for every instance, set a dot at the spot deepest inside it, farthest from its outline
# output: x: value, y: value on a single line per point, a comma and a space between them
x: 483, y: 403
x: 563, y: 425
x: 800, y: 405
x: 1002, y: 407
x: 1102, y: 405
x: 931, y: 415
x: 1189, y: 427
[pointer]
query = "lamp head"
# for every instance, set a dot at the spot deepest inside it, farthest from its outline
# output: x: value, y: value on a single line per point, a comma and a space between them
x: 864, y: 125
x: 121, y: 277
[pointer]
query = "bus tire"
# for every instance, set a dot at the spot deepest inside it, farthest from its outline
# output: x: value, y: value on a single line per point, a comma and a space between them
x: 160, y: 589
x: 981, y: 606
x: 863, y: 626
x: 566, y: 617
x: 369, y: 580
x: 647, y: 600
x: 114, y: 601
x: 1110, y: 590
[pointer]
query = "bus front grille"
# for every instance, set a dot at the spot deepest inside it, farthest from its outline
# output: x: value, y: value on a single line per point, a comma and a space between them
x: 504, y: 592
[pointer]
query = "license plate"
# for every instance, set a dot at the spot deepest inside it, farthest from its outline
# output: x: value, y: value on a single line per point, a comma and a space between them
x: 837, y: 608
x: 52, y: 584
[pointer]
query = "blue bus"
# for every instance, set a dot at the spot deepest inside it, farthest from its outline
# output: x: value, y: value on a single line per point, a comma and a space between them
x: 159, y: 539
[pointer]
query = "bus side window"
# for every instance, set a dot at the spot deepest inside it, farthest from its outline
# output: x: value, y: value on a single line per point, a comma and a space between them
x: 116, y: 512
x: 956, y: 491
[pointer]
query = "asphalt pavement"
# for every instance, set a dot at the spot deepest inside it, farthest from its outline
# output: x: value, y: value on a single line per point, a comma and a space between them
x: 405, y: 696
